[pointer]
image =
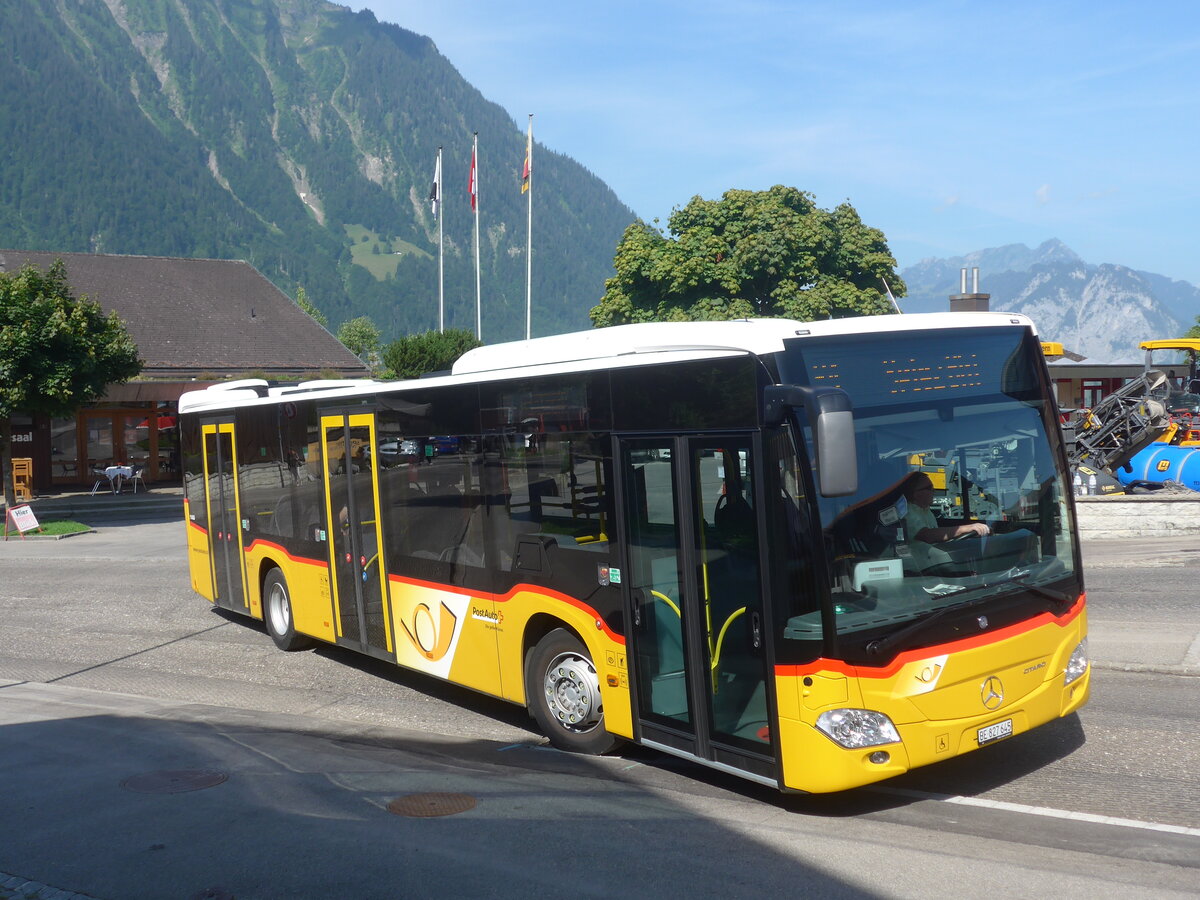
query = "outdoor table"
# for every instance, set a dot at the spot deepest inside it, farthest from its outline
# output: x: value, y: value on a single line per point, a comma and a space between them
x: 116, y: 474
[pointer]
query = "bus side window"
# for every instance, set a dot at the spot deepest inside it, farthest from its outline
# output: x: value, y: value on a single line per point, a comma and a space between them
x: 555, y: 498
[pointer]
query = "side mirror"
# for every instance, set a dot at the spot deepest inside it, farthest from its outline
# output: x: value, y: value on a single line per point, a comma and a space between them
x: 831, y: 415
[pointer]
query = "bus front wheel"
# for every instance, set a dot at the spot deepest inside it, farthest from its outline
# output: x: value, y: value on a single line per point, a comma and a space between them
x: 277, y: 614
x: 563, y: 690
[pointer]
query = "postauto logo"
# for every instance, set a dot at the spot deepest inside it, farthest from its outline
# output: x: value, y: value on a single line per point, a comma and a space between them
x: 487, y: 615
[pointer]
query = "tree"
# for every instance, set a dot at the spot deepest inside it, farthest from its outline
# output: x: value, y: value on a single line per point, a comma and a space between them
x: 433, y: 351
x: 309, y: 307
x: 57, y: 352
x: 1194, y: 331
x: 751, y: 253
x: 361, y: 336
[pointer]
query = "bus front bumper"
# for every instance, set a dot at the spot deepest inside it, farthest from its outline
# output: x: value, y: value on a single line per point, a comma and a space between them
x: 814, y: 763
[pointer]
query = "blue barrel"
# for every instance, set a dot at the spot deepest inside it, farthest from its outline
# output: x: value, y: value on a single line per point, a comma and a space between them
x: 1164, y: 462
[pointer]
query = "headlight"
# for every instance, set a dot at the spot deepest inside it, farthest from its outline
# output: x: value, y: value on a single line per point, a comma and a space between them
x: 853, y: 728
x: 1078, y: 663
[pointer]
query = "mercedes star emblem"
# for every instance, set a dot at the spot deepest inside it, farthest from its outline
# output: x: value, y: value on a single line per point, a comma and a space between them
x: 992, y: 693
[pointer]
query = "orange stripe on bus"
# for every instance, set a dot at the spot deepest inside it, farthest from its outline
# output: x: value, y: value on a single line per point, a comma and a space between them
x: 308, y: 561
x: 979, y: 640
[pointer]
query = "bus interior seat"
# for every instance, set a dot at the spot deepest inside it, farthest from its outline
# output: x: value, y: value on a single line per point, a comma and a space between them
x: 733, y: 520
x: 538, y: 491
x: 429, y: 524
x: 462, y: 555
x: 467, y: 548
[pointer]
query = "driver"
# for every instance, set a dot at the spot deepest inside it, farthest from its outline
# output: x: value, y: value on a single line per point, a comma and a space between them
x: 923, y: 529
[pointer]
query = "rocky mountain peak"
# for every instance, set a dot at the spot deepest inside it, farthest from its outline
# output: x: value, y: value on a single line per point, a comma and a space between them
x: 1099, y: 311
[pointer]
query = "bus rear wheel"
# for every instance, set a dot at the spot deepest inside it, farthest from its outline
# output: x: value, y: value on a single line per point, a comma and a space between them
x: 563, y: 691
x: 277, y: 614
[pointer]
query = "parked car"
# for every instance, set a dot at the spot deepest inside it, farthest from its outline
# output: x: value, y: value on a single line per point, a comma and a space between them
x: 399, y: 450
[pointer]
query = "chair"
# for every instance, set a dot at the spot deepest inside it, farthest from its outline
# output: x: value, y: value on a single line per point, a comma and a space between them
x: 101, y: 478
x: 136, y: 476
x: 22, y: 475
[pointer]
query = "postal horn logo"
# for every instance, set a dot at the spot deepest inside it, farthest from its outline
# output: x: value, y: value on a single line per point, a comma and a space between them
x: 431, y: 638
x: 992, y: 693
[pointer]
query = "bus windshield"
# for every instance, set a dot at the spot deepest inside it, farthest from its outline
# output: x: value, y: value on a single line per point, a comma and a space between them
x: 962, y: 496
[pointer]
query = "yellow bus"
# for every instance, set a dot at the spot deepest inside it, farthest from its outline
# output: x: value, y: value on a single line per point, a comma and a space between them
x: 710, y: 539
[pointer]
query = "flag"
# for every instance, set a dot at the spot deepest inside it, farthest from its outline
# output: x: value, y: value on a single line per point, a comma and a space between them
x: 472, y: 183
x: 435, y: 193
x: 528, y: 158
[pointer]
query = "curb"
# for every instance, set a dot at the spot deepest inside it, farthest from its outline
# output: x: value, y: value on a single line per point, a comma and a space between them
x: 52, y: 537
x: 14, y: 887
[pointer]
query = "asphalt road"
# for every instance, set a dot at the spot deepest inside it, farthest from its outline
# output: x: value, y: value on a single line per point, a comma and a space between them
x: 111, y: 667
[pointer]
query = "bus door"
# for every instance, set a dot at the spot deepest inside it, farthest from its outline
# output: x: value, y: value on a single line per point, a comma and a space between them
x: 359, y: 582
x: 226, y: 558
x: 693, y: 586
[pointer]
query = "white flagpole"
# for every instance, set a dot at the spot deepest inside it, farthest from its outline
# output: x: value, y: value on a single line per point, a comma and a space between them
x: 441, y: 274
x: 475, y: 206
x: 529, y: 233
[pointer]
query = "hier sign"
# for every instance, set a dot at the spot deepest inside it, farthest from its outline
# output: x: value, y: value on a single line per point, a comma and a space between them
x: 23, y: 520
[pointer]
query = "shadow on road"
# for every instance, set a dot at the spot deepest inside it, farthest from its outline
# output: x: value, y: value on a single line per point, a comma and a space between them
x: 289, y: 807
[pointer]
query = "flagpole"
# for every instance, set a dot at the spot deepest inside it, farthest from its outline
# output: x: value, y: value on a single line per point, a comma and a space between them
x: 475, y: 206
x: 529, y: 233
x: 441, y: 273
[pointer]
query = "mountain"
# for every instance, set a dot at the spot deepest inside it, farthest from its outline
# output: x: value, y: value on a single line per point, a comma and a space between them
x: 295, y: 134
x: 1100, y: 311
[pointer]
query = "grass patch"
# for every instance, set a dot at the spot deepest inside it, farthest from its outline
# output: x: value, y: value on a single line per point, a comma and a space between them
x: 64, y: 526
x: 383, y: 263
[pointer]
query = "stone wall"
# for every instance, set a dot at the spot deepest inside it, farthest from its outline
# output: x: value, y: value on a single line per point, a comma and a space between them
x: 1139, y: 515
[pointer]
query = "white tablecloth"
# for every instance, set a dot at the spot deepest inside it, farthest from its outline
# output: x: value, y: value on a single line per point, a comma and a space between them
x: 116, y: 473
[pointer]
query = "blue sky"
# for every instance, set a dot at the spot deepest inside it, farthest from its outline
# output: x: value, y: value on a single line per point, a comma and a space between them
x: 951, y: 126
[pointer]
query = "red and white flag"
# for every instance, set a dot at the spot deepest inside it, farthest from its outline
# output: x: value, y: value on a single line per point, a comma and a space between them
x: 528, y: 158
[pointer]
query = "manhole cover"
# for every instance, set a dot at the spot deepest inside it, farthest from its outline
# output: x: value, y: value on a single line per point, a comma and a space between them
x: 433, y: 804
x: 173, y: 782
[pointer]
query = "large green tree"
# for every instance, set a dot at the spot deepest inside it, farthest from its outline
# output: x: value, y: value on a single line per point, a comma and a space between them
x: 433, y: 351
x: 57, y: 351
x: 751, y: 253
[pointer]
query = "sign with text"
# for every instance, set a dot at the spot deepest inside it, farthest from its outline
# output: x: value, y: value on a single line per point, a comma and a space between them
x: 22, y: 518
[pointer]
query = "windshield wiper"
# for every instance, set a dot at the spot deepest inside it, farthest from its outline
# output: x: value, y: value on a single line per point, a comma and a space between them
x: 1062, y: 600
x: 881, y: 646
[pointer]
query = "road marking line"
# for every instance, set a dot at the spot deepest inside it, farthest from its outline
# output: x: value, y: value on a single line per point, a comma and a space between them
x: 1038, y: 810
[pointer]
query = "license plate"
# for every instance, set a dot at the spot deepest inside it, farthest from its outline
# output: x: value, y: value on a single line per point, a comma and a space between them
x: 996, y: 732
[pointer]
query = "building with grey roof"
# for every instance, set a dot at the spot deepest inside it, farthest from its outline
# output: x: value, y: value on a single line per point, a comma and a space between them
x: 195, y: 322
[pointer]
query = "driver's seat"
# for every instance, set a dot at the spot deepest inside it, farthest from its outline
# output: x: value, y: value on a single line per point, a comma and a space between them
x: 872, y: 529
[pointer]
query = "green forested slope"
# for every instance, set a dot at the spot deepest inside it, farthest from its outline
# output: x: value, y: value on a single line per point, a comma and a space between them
x: 280, y: 131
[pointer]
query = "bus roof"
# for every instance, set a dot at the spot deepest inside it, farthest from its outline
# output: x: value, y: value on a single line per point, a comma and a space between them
x: 758, y: 336
x: 615, y: 347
